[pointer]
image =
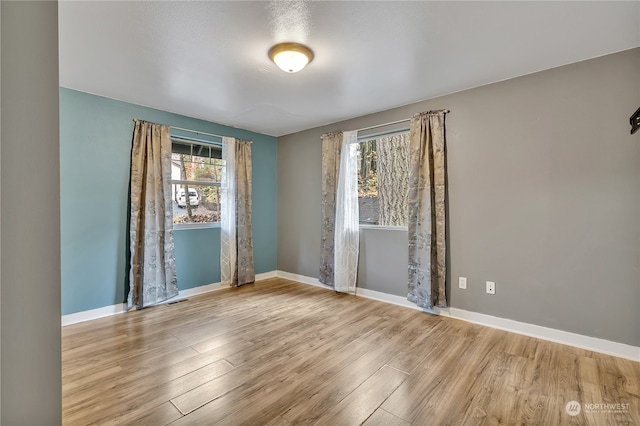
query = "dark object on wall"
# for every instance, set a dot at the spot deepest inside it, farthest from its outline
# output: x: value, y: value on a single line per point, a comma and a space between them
x: 634, y: 120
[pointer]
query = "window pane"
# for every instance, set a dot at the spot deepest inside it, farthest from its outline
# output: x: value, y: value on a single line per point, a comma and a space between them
x: 383, y: 177
x: 183, y: 147
x: 194, y: 167
x: 368, y: 182
x: 202, y: 205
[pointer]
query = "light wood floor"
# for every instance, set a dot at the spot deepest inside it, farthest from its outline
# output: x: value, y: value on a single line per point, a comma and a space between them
x: 283, y: 353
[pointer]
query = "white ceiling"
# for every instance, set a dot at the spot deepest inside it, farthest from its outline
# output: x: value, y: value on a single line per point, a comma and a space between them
x: 209, y: 59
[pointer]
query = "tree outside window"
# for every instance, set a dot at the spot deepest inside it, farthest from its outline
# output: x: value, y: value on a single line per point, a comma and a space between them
x: 383, y: 178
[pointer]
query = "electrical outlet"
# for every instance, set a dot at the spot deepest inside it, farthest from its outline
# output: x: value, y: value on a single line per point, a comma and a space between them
x: 491, y: 287
x: 462, y: 282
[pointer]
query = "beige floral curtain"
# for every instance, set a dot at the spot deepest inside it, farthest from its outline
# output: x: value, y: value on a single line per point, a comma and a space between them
x: 331, y: 145
x: 152, y: 275
x: 427, y: 220
x: 236, y: 242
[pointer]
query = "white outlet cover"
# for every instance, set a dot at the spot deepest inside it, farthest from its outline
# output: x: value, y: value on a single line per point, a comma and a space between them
x: 462, y: 282
x: 491, y: 287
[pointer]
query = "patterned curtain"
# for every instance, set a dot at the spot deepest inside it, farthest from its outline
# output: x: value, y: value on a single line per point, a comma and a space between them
x: 152, y: 275
x: 331, y: 144
x: 427, y: 239
x: 340, y: 216
x: 236, y: 243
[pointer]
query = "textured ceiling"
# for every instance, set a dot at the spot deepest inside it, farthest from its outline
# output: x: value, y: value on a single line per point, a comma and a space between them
x: 209, y: 59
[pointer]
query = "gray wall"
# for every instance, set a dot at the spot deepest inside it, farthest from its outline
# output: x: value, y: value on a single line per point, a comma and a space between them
x: 30, y: 215
x: 382, y: 264
x: 544, y: 199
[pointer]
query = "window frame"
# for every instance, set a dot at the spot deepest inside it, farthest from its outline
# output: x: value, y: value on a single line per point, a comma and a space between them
x: 384, y: 227
x: 181, y: 140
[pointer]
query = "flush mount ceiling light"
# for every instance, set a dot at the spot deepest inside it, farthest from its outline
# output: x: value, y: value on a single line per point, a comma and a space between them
x: 290, y: 57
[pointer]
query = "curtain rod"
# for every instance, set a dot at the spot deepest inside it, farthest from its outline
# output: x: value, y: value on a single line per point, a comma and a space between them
x: 383, y: 133
x: 196, y: 132
x: 383, y: 125
x: 200, y: 142
x: 396, y: 122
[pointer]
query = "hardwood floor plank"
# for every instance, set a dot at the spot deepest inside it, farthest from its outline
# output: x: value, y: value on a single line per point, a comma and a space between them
x: 251, y: 365
x: 220, y: 326
x: 152, y: 374
x: 207, y: 392
x: 94, y: 358
x: 277, y: 421
x: 265, y: 378
x: 616, y: 374
x: 282, y: 353
x: 131, y: 399
x: 382, y: 418
x: 254, y: 362
x: 217, y: 341
x: 417, y: 343
x: 271, y: 368
x: 343, y: 372
x: 307, y: 409
x: 453, y: 393
x: 86, y: 380
x: 156, y: 416
x: 157, y: 359
x: 411, y: 398
x: 79, y: 347
x: 261, y: 405
x: 362, y: 402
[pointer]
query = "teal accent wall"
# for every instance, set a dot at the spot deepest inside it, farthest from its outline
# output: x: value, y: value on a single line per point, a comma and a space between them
x: 95, y: 157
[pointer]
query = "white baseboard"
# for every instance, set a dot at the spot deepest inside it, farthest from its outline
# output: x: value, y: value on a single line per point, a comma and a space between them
x: 595, y: 344
x: 266, y: 275
x: 93, y: 314
x: 302, y: 279
x: 390, y: 298
x: 122, y: 307
x: 564, y: 337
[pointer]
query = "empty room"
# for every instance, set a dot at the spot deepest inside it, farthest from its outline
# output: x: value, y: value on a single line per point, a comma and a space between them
x: 320, y: 212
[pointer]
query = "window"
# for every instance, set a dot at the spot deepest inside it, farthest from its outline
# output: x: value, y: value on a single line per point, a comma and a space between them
x: 196, y: 172
x: 383, y: 178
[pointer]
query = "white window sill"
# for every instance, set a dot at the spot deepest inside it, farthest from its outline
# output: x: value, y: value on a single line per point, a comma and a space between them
x: 183, y: 226
x: 385, y: 228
